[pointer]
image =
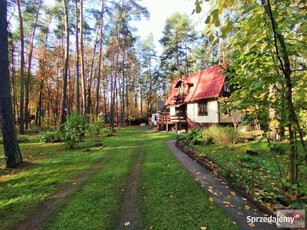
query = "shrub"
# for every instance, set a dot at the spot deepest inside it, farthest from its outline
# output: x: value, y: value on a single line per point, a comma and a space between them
x: 95, y: 128
x: 194, y: 137
x: 208, y: 140
x: 52, y: 136
x: 221, y: 135
x: 74, y: 129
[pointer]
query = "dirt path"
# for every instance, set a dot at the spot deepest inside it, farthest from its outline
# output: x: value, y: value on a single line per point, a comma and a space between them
x: 46, y: 211
x: 130, y: 212
x: 235, y: 206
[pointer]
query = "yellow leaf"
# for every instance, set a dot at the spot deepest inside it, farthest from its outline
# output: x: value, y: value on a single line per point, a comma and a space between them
x: 203, y: 228
x: 251, y: 225
x: 151, y: 227
x: 226, y: 202
x: 229, y: 197
x: 246, y: 207
x: 127, y: 223
x: 211, y: 199
x: 233, y: 193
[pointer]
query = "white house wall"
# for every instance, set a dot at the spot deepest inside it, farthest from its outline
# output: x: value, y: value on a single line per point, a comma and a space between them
x: 212, y: 106
x: 172, y: 111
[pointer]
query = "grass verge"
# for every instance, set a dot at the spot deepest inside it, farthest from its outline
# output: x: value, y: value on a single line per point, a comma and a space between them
x: 169, y: 197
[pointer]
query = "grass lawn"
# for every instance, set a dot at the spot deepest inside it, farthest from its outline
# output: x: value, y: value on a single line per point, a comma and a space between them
x: 257, y: 174
x: 169, y: 198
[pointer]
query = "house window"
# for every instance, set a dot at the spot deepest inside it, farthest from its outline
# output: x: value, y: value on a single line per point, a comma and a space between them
x: 203, y: 109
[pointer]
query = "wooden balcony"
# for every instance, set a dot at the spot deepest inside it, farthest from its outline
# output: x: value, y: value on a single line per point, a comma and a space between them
x: 167, y: 121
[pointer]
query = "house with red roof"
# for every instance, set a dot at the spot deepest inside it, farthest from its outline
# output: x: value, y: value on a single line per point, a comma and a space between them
x: 193, y: 102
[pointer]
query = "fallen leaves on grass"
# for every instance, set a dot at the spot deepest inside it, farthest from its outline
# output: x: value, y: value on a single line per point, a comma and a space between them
x: 127, y: 223
x: 203, y: 228
x: 211, y: 199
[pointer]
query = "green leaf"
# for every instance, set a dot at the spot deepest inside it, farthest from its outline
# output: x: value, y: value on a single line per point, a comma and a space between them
x: 208, y: 19
x: 198, y: 9
x: 217, y: 23
x: 211, y: 37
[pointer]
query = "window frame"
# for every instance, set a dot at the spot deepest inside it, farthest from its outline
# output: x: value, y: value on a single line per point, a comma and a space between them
x: 200, y: 112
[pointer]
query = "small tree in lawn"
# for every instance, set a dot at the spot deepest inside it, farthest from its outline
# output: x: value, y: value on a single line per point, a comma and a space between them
x: 75, y: 127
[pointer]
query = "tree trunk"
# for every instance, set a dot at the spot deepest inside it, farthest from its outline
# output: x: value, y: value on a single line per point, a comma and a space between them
x: 112, y: 100
x: 285, y: 65
x: 122, y: 110
x: 22, y: 51
x: 77, y: 58
x: 42, y: 64
x: 30, y: 54
x: 100, y: 59
x: 65, y: 71
x: 82, y: 61
x: 10, y: 144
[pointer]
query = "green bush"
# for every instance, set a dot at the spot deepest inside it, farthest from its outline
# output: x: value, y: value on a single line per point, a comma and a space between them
x: 95, y: 127
x: 221, y: 135
x: 74, y: 129
x: 194, y: 137
x: 207, y: 139
x: 52, y: 136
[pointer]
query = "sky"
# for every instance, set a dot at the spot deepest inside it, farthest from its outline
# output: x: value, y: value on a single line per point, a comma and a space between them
x: 160, y: 10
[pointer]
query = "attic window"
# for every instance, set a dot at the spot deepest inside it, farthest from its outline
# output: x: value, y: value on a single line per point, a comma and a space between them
x: 203, y: 109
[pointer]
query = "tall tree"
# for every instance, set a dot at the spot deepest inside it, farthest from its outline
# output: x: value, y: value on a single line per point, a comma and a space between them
x: 11, y: 147
x: 99, y: 58
x: 22, y: 51
x: 83, y: 85
x: 77, y: 57
x: 30, y: 55
x: 178, y: 37
x: 65, y: 72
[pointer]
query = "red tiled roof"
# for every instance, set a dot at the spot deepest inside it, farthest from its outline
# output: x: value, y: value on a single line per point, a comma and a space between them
x: 204, y: 84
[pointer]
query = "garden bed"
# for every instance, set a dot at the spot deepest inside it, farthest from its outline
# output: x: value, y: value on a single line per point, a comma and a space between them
x: 254, y: 177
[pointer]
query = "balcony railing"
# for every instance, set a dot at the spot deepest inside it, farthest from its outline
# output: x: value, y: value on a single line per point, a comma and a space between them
x: 167, y: 119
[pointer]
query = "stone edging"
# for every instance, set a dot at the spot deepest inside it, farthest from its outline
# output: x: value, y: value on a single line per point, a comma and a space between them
x: 209, y: 165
